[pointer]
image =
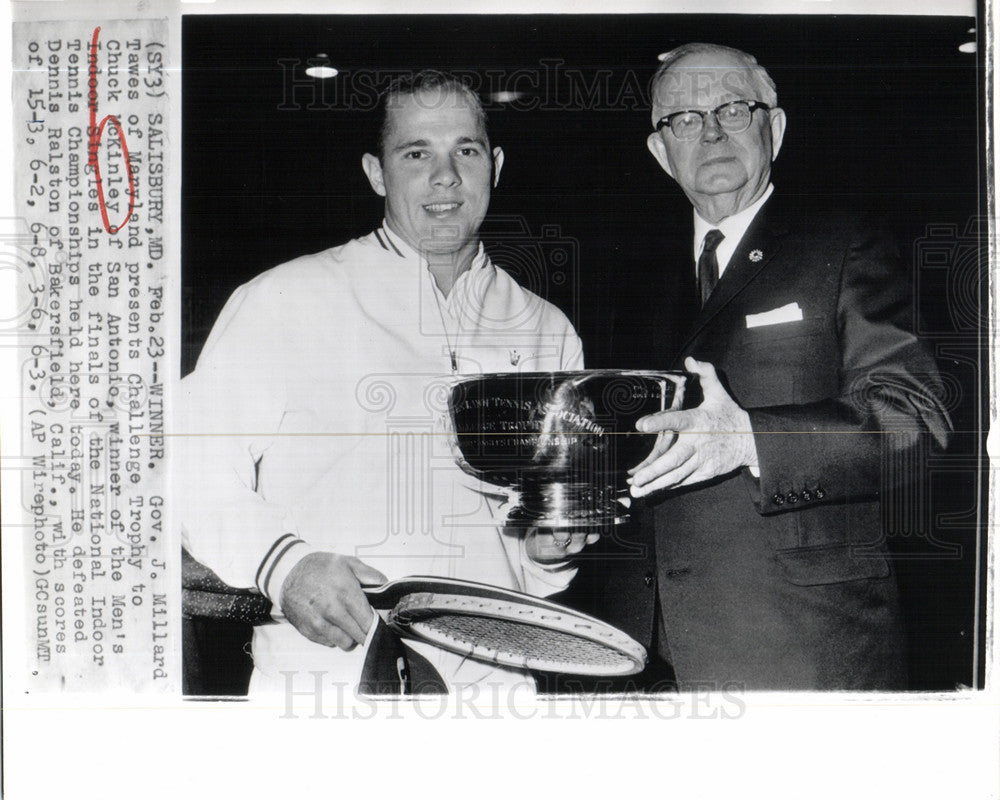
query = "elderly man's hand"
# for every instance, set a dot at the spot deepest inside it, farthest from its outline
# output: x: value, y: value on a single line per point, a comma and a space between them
x: 697, y: 444
x: 322, y: 598
x: 552, y: 545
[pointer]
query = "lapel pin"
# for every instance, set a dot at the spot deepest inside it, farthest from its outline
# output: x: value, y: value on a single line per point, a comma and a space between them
x: 515, y: 357
x: 756, y: 255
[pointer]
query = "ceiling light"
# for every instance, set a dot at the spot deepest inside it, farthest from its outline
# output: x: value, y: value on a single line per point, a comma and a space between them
x: 320, y: 67
x: 507, y: 97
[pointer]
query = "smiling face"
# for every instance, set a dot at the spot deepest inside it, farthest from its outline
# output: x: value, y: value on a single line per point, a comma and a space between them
x: 721, y: 173
x: 436, y: 172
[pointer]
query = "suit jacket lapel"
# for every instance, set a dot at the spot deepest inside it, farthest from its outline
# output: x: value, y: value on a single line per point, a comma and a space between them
x: 758, y: 246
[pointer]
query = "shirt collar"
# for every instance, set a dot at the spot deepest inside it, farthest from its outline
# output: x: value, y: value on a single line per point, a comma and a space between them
x: 394, y: 243
x: 732, y: 228
x: 390, y: 242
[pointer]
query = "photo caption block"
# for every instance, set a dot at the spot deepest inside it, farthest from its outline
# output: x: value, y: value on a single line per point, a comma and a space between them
x: 90, y: 129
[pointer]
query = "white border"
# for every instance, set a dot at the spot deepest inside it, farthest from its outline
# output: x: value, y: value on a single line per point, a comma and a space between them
x: 785, y: 745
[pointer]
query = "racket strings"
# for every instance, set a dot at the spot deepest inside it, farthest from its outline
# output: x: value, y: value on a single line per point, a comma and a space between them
x: 537, y: 646
x: 517, y: 634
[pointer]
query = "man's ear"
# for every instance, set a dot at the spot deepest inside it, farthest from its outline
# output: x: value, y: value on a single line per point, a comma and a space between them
x: 777, y: 130
x: 373, y: 169
x: 497, y: 164
x: 659, y: 150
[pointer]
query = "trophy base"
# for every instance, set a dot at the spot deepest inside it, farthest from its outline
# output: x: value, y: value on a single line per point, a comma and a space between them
x: 560, y: 504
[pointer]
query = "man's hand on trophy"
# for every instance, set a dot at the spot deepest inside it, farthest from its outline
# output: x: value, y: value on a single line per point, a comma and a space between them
x: 552, y: 545
x: 322, y: 598
x: 698, y: 444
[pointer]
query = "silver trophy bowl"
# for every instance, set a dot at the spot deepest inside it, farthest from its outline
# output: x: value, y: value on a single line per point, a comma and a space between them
x: 559, y: 444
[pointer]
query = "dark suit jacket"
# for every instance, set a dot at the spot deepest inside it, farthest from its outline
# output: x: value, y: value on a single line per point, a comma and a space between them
x: 782, y: 582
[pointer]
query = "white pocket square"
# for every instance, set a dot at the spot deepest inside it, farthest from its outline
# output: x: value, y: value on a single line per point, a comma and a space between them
x: 789, y: 313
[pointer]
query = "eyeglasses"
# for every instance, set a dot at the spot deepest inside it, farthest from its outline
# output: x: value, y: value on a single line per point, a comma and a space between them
x: 732, y: 117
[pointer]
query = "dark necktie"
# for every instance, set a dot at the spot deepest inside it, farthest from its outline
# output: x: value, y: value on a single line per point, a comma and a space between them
x: 708, y: 264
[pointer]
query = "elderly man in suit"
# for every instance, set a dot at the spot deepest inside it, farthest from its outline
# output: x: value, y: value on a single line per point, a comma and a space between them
x: 765, y: 500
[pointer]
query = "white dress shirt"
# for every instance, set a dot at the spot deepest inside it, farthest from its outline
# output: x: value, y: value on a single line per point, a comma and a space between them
x: 732, y: 228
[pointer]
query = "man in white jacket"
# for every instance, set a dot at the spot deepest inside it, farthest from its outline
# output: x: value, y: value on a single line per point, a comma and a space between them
x: 315, y: 460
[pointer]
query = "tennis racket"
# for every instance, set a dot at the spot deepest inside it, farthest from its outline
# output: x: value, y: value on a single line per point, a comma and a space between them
x: 504, y: 627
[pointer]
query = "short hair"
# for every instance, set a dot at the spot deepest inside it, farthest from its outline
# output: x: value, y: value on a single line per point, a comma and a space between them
x: 416, y: 82
x: 765, y: 84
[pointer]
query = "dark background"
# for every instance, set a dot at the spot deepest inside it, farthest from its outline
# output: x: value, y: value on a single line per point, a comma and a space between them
x: 884, y: 117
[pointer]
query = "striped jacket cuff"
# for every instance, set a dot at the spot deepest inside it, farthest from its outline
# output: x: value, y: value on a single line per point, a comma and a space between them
x: 284, y: 554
